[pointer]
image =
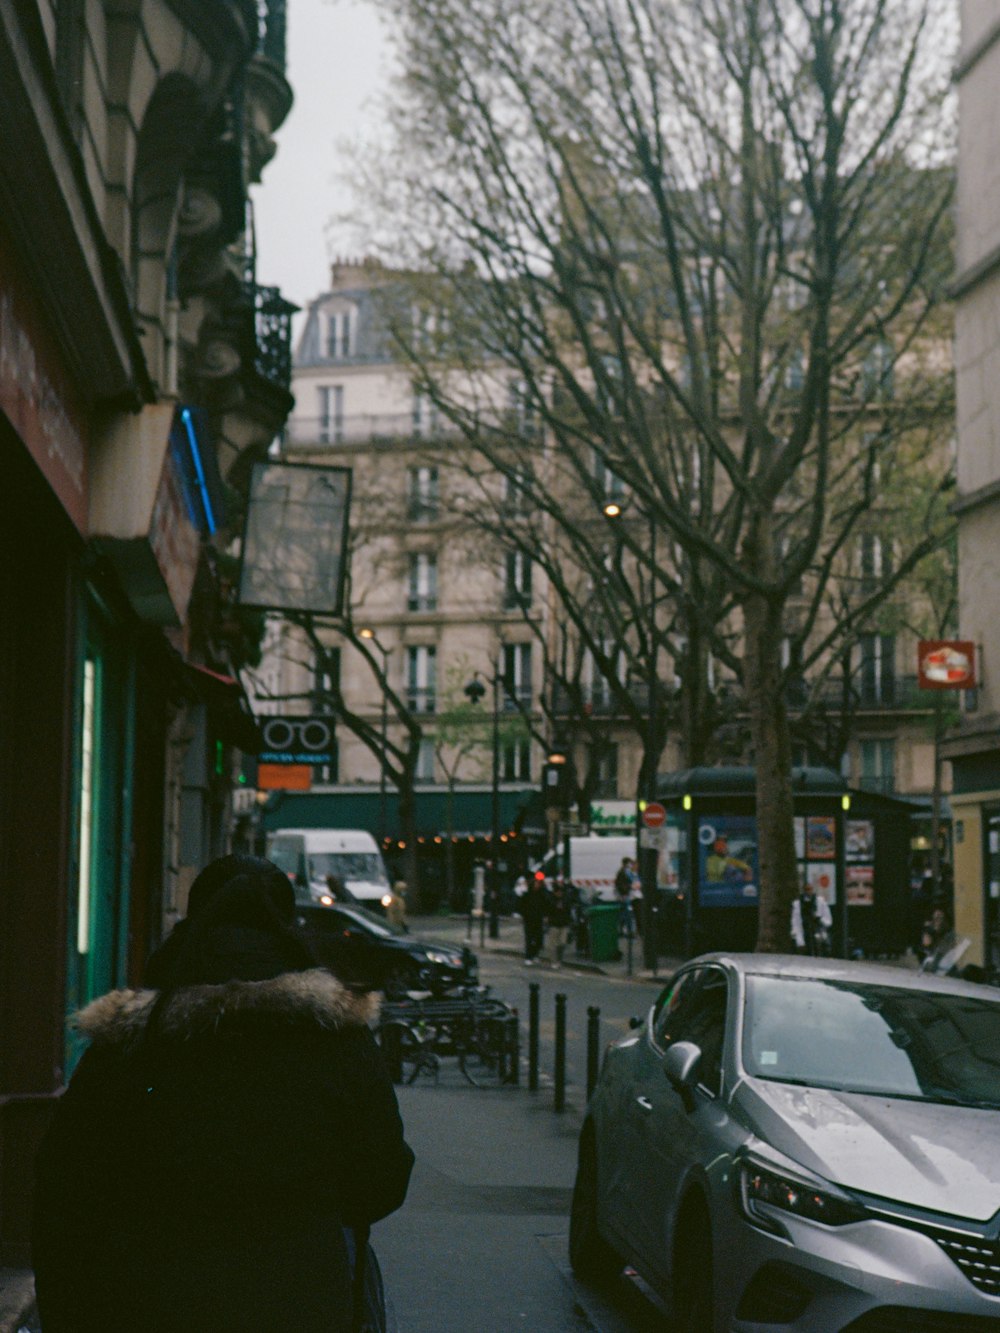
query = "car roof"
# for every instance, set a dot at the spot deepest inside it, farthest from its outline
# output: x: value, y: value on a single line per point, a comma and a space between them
x: 805, y: 967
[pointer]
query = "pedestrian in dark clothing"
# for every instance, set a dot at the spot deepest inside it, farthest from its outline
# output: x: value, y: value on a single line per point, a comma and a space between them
x: 533, y: 907
x: 219, y: 1139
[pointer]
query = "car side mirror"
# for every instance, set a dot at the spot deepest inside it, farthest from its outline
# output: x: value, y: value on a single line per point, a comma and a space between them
x: 680, y: 1064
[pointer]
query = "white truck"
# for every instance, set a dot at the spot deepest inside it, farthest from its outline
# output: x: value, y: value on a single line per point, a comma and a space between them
x: 593, y: 863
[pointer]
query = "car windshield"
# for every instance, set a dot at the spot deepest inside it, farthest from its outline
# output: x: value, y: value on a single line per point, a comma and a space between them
x: 349, y: 867
x: 885, y: 1040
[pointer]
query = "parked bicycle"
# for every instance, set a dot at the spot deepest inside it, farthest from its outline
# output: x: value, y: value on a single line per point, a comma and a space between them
x: 478, y: 1031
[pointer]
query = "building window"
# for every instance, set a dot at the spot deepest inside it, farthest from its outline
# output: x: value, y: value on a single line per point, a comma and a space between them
x: 521, y: 415
x: 606, y: 772
x: 422, y: 495
x: 326, y: 680
x: 877, y: 678
x: 425, y: 761
x: 517, y: 493
x: 423, y: 581
x: 877, y: 372
x: 331, y: 414
x: 878, y: 766
x: 515, y: 761
x: 424, y: 416
x: 609, y: 483
x: 517, y: 675
x: 876, y: 561
x: 421, y: 678
x: 517, y: 581
x: 340, y: 335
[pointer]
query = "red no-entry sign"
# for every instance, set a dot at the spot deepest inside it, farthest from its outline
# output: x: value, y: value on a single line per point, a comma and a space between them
x: 654, y: 815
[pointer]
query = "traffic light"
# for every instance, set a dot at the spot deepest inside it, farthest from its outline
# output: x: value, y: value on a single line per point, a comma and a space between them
x: 558, y: 781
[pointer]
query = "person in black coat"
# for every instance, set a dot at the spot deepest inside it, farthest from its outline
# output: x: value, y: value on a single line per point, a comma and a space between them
x: 533, y: 907
x: 219, y: 1139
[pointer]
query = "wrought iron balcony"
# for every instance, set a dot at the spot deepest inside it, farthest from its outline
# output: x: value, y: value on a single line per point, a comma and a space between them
x: 273, y: 330
x: 272, y: 31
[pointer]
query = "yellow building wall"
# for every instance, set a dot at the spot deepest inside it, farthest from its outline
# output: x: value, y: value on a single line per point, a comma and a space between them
x: 969, y: 872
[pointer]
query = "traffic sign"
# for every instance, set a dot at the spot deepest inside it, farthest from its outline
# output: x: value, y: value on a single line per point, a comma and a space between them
x: 654, y: 815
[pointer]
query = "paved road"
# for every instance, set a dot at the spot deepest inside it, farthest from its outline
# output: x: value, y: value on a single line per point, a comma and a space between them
x: 480, y: 1246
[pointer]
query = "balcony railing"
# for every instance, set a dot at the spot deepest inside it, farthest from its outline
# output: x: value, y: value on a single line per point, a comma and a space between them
x: 363, y: 428
x: 272, y: 31
x: 421, y: 699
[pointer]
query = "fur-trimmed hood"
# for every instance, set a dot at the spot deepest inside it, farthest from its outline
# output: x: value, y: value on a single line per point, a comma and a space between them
x: 315, y: 996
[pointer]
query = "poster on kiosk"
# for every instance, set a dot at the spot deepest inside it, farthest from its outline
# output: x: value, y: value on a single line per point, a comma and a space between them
x: 727, y: 861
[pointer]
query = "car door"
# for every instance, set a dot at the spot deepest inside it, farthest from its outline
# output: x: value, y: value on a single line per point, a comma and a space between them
x: 679, y: 1131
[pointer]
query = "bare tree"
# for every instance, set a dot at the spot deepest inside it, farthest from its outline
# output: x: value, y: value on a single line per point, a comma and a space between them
x: 696, y: 237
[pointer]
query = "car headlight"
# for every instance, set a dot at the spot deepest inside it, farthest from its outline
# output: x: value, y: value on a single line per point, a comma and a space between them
x: 761, y: 1187
x: 386, y: 899
x: 440, y: 959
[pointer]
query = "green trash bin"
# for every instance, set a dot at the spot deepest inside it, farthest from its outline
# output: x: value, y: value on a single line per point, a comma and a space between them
x: 602, y: 926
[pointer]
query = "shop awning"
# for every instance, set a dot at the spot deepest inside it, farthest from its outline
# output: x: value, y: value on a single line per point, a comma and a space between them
x: 228, y: 706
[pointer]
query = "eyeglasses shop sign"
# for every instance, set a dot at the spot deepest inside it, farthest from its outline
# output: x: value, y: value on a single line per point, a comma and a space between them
x: 297, y: 740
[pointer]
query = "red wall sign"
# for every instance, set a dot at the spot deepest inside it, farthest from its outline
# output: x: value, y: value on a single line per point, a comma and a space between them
x: 946, y: 664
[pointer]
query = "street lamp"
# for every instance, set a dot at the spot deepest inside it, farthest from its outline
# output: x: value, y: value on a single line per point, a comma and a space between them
x: 614, y: 511
x: 474, y: 691
x: 369, y: 634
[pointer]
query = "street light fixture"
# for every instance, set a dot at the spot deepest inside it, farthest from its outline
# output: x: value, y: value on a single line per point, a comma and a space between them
x: 367, y: 633
x: 614, y: 510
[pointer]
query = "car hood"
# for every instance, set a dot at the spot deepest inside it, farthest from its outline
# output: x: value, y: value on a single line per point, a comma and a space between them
x: 942, y: 1158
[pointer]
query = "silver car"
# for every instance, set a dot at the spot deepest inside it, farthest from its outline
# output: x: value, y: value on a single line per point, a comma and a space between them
x: 801, y: 1144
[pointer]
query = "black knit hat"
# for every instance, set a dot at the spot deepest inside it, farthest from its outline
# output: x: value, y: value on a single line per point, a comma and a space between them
x: 240, y: 928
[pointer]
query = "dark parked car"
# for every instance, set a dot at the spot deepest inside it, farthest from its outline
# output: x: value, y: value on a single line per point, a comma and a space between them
x: 367, y: 950
x: 803, y: 1144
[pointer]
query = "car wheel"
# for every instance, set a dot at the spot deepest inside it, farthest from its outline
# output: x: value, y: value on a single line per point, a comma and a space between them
x: 692, y: 1276
x: 592, y: 1258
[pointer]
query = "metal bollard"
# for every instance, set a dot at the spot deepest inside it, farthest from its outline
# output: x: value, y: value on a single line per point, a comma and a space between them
x: 533, y: 1037
x: 593, y: 1047
x: 514, y: 1069
x: 560, y: 1072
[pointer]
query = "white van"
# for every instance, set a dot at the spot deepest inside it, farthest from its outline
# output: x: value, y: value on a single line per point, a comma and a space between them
x: 593, y: 863
x: 308, y: 855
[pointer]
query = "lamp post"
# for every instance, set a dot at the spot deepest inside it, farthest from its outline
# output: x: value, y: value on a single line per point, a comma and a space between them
x: 369, y: 634
x: 474, y: 691
x: 649, y: 858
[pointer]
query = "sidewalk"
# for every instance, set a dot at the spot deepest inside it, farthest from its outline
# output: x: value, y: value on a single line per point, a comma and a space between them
x: 454, y: 930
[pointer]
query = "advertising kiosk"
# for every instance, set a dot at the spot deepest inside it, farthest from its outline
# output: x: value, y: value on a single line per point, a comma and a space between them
x: 850, y: 847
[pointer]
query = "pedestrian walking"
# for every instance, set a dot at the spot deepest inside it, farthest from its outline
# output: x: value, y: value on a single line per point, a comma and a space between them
x: 226, y: 1140
x: 559, y: 918
x: 624, y: 884
x: 811, y: 922
x: 533, y: 907
x: 395, y: 910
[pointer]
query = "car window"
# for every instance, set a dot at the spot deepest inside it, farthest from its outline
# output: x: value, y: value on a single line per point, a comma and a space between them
x: 698, y: 1015
x: 669, y: 1005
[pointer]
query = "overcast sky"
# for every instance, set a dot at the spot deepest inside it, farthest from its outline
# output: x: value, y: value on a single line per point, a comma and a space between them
x: 336, y: 65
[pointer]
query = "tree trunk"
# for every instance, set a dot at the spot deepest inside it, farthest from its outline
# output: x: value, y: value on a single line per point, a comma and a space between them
x: 773, y: 759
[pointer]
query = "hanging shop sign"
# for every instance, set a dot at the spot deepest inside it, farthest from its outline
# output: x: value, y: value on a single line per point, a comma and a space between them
x: 295, y: 538
x: 946, y: 664
x: 297, y: 740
